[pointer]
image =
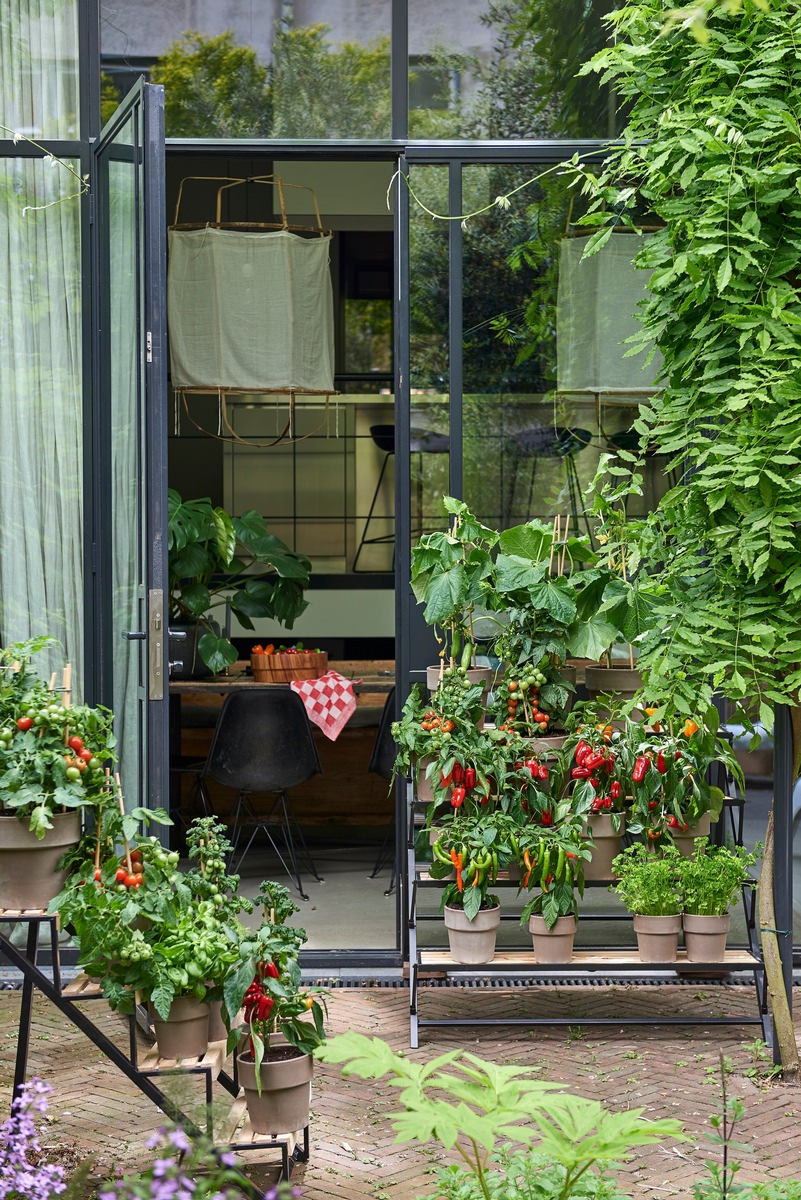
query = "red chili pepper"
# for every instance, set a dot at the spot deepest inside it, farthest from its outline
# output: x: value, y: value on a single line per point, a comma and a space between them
x: 581, y: 749
x: 661, y: 765
x: 596, y: 783
x: 596, y: 804
x: 457, y: 796
x: 640, y: 767
x: 486, y: 796
x: 607, y: 803
x: 580, y: 773
x: 470, y: 778
x: 271, y: 971
x: 677, y: 755
x: 593, y: 761
x: 614, y: 790
x: 609, y: 764
x: 264, y: 1008
x: 546, y: 817
x: 542, y: 772
x: 532, y: 766
x: 446, y: 779
x: 458, y: 773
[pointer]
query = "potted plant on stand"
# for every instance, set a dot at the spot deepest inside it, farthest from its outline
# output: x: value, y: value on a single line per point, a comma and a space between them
x: 600, y: 775
x: 650, y: 887
x: 146, y: 935
x: 283, y: 1022
x: 552, y: 861
x: 53, y: 760
x: 711, y: 881
x: 472, y: 847
x: 218, y: 561
x: 672, y: 797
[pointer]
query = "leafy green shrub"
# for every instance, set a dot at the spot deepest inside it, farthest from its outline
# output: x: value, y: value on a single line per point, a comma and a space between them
x: 649, y: 884
x: 712, y: 879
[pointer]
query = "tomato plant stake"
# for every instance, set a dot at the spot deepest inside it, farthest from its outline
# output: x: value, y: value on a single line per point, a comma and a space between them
x: 121, y: 803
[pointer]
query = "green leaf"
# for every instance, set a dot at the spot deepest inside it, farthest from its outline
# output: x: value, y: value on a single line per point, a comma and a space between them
x: 443, y: 594
x: 217, y: 652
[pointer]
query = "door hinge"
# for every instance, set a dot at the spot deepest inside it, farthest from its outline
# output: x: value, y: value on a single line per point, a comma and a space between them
x: 149, y: 346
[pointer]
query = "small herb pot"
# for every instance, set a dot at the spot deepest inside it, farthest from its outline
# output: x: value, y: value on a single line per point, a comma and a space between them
x: 705, y: 937
x: 657, y: 937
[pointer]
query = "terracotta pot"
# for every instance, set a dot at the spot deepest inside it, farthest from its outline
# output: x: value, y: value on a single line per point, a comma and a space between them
x: 283, y: 1106
x: 606, y: 848
x: 185, y: 1033
x: 705, y: 937
x: 423, y: 788
x: 28, y: 875
x: 686, y: 841
x: 541, y: 745
x: 552, y: 945
x: 474, y: 675
x: 217, y: 1030
x: 657, y: 938
x: 623, y: 682
x: 472, y: 941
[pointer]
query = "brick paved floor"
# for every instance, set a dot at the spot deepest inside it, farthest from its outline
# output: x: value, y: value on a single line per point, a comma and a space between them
x: 670, y: 1071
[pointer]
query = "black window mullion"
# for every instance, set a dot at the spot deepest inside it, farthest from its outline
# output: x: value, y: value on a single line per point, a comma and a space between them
x: 455, y: 321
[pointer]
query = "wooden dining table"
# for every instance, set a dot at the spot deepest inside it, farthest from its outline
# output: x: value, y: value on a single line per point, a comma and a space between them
x: 195, y: 705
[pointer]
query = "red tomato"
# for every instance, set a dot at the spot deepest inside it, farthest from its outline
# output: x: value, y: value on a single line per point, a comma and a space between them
x: 76, y: 744
x: 24, y: 723
x: 86, y: 755
x: 121, y: 875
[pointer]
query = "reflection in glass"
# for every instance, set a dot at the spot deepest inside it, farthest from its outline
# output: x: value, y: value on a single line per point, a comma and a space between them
x: 41, y: 477
x: 509, y: 70
x: 39, y: 79
x: 429, y: 357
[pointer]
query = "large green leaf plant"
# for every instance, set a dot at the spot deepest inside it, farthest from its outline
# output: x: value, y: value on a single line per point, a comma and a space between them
x: 216, y: 559
x: 712, y: 151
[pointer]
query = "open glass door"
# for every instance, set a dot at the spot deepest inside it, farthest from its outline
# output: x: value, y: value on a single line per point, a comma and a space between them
x: 130, y: 386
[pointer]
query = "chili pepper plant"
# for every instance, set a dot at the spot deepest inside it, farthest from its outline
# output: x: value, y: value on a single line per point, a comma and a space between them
x: 552, y: 861
x: 53, y: 756
x: 475, y: 847
x: 669, y: 785
x: 599, y: 750
x: 266, y: 984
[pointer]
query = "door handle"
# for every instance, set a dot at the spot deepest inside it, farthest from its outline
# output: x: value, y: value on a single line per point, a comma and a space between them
x: 133, y: 636
x: 178, y: 635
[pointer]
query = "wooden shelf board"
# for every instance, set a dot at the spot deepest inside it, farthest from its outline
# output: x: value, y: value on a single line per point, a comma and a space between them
x: 82, y: 988
x: 213, y: 1059
x: 516, y: 961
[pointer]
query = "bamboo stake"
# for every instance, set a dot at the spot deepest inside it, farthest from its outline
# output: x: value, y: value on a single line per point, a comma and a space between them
x: 66, y: 685
x: 564, y: 546
x: 121, y: 803
x: 554, y: 536
x: 52, y: 682
x: 625, y: 580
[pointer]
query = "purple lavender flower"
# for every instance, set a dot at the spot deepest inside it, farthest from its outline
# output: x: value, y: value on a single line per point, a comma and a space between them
x: 18, y: 1139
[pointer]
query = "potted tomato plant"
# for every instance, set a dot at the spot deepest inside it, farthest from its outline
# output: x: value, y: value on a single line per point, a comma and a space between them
x: 53, y: 760
x: 650, y: 887
x: 144, y: 927
x: 217, y: 560
x: 283, y: 1021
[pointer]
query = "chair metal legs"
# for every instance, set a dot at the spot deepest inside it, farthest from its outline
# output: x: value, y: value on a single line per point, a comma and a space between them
x: 386, y: 855
x: 287, y: 827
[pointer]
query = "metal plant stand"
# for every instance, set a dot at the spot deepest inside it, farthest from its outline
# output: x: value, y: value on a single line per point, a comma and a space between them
x: 141, y: 1073
x: 614, y: 963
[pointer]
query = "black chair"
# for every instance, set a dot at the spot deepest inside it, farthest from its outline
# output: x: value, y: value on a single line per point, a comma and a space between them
x: 382, y: 762
x: 384, y: 438
x: 263, y: 743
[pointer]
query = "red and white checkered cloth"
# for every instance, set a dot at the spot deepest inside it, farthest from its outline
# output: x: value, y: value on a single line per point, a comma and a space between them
x: 329, y: 701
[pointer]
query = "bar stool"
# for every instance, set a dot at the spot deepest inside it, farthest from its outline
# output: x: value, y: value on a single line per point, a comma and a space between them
x: 384, y: 438
x: 547, y: 441
x: 426, y: 441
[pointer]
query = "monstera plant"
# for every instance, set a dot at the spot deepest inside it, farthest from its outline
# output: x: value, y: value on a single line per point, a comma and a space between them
x: 217, y: 560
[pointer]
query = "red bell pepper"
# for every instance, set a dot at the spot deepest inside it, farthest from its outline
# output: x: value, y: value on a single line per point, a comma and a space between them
x: 593, y: 761
x: 470, y: 778
x: 458, y: 773
x: 542, y: 772
x: 580, y: 773
x: 546, y: 817
x: 457, y: 796
x: 640, y: 767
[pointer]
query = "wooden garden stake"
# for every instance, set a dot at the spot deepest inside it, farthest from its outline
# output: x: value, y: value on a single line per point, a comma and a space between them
x: 121, y: 803
x: 564, y: 547
x: 52, y: 681
x: 66, y: 685
x: 554, y: 536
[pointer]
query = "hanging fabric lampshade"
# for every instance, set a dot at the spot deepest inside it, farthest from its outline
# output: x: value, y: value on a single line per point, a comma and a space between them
x: 596, y: 312
x: 250, y: 311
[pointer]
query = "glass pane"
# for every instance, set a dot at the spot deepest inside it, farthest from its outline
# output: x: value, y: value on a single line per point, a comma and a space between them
x: 529, y: 451
x: 41, y: 478
x: 126, y: 424
x: 39, y: 80
x: 508, y: 70
x: 255, y: 73
x: 429, y: 359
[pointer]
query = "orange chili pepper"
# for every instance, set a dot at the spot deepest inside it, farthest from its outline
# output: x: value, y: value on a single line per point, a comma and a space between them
x: 269, y: 649
x: 690, y: 728
x: 456, y: 859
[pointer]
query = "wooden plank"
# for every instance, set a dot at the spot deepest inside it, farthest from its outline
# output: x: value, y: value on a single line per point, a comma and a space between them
x: 213, y: 1059
x: 82, y: 988
x: 524, y: 960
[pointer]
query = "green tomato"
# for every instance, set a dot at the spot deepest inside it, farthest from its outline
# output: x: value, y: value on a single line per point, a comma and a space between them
x: 73, y: 773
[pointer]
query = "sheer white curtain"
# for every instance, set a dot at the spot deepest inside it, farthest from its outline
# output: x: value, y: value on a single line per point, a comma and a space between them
x: 39, y: 78
x: 41, y: 424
